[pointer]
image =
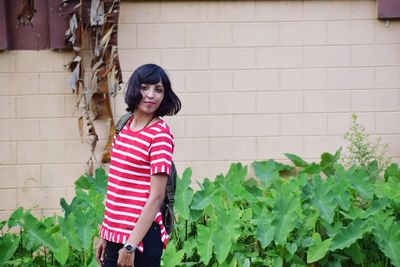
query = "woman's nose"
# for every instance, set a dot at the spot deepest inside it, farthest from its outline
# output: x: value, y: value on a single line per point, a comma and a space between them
x: 150, y: 93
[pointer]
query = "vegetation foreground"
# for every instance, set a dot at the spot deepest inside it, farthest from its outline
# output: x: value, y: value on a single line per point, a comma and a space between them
x: 313, y: 214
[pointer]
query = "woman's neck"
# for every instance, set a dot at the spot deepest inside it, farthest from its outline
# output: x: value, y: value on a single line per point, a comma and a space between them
x: 141, y: 120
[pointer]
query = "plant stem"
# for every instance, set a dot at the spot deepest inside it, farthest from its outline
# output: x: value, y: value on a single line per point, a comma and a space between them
x: 45, y: 256
x: 186, y: 230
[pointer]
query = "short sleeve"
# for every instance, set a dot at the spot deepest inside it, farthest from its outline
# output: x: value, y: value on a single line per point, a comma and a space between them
x: 161, y: 151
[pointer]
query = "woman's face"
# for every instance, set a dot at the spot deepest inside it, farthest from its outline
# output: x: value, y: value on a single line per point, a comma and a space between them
x: 152, y: 96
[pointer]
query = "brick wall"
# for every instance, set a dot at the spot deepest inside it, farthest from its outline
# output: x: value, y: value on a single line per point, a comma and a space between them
x: 256, y: 78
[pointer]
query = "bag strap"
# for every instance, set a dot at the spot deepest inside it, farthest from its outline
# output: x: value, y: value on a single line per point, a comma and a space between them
x: 171, y: 185
x: 122, y: 121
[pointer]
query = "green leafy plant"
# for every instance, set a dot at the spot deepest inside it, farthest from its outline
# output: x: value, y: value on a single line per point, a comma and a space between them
x: 322, y: 215
x: 361, y: 150
x: 65, y: 240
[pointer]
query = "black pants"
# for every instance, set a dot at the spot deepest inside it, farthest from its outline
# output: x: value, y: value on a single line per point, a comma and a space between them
x: 151, y: 256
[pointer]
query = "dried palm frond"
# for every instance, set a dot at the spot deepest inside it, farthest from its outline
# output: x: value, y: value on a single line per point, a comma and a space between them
x: 105, y: 67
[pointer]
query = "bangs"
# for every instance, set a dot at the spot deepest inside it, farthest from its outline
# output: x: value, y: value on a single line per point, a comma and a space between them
x: 152, y: 77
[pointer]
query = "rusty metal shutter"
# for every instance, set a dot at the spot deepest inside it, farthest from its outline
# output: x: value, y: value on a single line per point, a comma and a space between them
x: 388, y: 9
x: 47, y: 30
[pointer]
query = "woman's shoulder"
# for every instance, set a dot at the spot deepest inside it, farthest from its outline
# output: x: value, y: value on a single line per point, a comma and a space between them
x: 161, y: 127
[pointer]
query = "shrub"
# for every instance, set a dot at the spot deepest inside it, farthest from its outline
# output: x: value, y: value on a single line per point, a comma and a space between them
x: 65, y: 240
x: 361, y: 151
x: 323, y: 214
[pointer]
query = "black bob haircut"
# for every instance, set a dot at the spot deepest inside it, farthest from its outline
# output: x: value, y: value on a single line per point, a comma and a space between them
x: 151, y: 74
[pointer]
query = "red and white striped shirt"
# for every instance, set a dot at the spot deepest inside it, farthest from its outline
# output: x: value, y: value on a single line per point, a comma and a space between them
x: 135, y: 156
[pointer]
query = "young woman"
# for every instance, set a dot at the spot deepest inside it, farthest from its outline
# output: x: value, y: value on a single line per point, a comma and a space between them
x: 132, y: 233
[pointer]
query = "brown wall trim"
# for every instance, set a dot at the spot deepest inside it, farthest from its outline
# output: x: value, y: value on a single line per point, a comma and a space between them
x: 47, y: 30
x: 388, y: 9
x: 3, y: 28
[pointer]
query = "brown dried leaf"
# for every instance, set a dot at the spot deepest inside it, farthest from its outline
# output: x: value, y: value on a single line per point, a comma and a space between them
x: 92, y: 135
x: 105, y: 158
x: 102, y: 86
x: 97, y: 64
x: 74, y: 79
x: 105, y: 39
x: 101, y: 106
x: 90, y: 166
x: 25, y: 16
x: 80, y: 94
x: 97, y: 13
x: 80, y: 126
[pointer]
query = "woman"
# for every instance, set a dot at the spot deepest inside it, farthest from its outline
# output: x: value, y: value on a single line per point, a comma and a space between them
x: 132, y: 233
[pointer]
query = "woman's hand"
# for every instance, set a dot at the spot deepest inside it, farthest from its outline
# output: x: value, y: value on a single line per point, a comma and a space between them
x: 125, y: 259
x: 100, y: 250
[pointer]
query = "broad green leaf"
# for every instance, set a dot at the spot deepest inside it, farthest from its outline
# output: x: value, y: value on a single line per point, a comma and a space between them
x: 183, y: 195
x: 233, y: 184
x: 266, y: 171
x: 360, y: 181
x: 375, y: 207
x: 68, y: 227
x: 393, y: 171
x: 189, y: 247
x: 195, y: 215
x: 251, y: 191
x: 15, y: 217
x: 247, y: 215
x: 297, y: 161
x: 319, y: 249
x: 324, y: 198
x: 389, y: 189
x: 37, y: 231
x: 340, y: 188
x: 205, y: 247
x: 384, y: 218
x: 313, y: 168
x: 347, y: 236
x: 230, y: 220
x: 277, y: 262
x: 265, y: 232
x: 171, y: 257
x: 85, y: 227
x: 223, y: 244
x: 101, y: 179
x: 285, y: 213
x: 333, y: 230
x: 328, y: 162
x: 291, y: 248
x: 356, y: 253
x: 354, y: 213
x: 8, y: 245
x: 204, y: 197
x: 83, y: 182
x: 388, y: 241
x: 62, y: 244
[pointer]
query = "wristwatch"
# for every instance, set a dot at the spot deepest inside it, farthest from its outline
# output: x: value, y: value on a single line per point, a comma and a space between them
x: 130, y: 248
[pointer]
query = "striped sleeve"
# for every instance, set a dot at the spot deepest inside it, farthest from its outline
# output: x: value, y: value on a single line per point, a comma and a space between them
x: 161, y: 151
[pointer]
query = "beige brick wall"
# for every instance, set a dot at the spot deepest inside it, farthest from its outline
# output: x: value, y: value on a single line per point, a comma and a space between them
x: 256, y: 78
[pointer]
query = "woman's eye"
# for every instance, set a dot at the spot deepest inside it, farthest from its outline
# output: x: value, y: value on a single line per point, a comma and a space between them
x: 143, y: 88
x: 159, y: 90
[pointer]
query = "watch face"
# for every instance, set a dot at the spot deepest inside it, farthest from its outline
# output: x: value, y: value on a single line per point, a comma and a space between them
x: 129, y: 248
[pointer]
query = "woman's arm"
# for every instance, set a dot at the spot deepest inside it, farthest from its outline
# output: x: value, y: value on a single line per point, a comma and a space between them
x: 153, y: 204
x: 157, y: 192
